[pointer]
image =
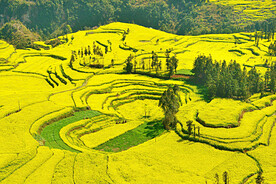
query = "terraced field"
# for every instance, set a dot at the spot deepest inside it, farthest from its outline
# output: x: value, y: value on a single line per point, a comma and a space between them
x: 61, y: 120
x: 251, y: 10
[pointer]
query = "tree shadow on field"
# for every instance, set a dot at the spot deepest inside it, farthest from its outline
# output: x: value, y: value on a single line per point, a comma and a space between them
x: 154, y: 128
x: 201, y: 90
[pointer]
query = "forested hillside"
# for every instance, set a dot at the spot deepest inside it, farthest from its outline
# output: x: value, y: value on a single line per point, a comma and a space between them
x: 49, y: 18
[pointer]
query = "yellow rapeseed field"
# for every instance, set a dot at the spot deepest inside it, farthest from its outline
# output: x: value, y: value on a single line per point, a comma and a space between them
x: 40, y: 88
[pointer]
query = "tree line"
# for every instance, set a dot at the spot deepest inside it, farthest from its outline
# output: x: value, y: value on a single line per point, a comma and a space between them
x: 49, y: 18
x: 230, y: 80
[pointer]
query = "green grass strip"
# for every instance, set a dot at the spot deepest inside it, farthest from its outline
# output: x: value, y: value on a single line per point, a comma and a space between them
x: 51, y: 132
x: 133, y: 137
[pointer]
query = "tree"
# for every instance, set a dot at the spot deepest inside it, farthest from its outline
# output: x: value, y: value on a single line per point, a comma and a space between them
x: 81, y: 52
x: 217, y: 178
x: 129, y: 65
x: 257, y: 39
x: 267, y: 76
x: 171, y: 63
x: 167, y: 54
x: 154, y: 59
x: 211, y: 86
x: 225, y: 178
x: 89, y: 50
x: 170, y: 102
x: 189, y: 125
x: 85, y: 51
x: 254, y: 81
x: 174, y: 62
x: 72, y: 60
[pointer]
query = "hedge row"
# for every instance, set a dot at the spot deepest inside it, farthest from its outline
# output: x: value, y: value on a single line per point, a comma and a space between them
x: 236, y: 50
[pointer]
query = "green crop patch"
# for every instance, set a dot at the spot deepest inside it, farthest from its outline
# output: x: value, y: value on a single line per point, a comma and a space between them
x: 133, y: 137
x: 51, y: 132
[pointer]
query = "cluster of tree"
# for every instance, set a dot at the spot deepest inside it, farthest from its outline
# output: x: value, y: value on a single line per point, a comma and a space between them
x: 84, y: 52
x: 87, y: 51
x: 191, y: 127
x: 97, y: 50
x: 51, y: 18
x: 17, y: 34
x: 170, y: 102
x: 272, y: 49
x: 86, y: 58
x: 230, y: 81
x: 263, y: 35
x: 155, y: 64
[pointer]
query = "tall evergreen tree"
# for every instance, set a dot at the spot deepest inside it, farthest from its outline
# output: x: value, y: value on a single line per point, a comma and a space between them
x: 170, y: 102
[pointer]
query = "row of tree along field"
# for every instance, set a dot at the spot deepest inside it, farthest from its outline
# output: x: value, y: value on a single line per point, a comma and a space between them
x: 154, y: 67
x: 231, y: 81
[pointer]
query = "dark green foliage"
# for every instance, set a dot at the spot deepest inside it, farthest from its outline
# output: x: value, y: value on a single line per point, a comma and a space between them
x: 56, y: 57
x: 270, y: 78
x: 128, y: 48
x: 52, y: 18
x: 50, y: 77
x: 171, y: 63
x: 64, y: 74
x: 15, y: 33
x: 189, y: 125
x: 50, y: 83
x: 105, y: 46
x: 236, y: 50
x: 60, y: 79
x: 225, y: 177
x: 227, y: 81
x: 253, y: 52
x: 129, y: 66
x: 170, y: 102
x: 96, y: 50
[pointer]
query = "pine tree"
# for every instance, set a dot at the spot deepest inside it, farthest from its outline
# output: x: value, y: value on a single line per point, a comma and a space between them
x: 211, y: 86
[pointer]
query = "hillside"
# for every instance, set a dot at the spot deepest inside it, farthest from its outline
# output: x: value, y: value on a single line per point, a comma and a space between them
x: 141, y: 41
x: 69, y: 113
x: 17, y: 34
x: 47, y: 17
